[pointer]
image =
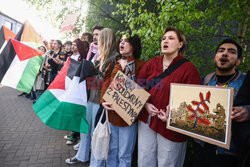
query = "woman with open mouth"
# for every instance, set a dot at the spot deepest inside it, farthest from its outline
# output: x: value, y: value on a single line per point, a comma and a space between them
x: 123, y: 136
x: 158, y: 146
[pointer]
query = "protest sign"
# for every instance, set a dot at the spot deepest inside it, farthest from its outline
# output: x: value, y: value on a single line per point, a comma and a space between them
x: 127, y: 97
x: 69, y: 22
x: 202, y: 112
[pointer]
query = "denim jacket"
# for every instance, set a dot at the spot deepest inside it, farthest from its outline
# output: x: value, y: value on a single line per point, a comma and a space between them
x: 236, y: 84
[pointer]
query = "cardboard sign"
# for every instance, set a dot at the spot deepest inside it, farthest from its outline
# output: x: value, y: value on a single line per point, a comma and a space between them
x: 69, y: 22
x: 127, y: 97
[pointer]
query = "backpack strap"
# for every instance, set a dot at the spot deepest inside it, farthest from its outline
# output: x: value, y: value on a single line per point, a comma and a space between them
x: 113, y: 65
x: 208, y: 78
x: 238, y: 75
x: 167, y: 72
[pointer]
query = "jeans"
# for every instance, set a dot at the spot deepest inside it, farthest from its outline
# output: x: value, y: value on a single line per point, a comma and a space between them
x: 33, y: 94
x: 96, y: 163
x: 85, y: 139
x: 121, y: 147
x: 38, y: 93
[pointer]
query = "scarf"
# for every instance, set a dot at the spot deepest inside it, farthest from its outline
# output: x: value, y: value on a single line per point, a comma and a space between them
x: 93, y: 49
x: 130, y: 68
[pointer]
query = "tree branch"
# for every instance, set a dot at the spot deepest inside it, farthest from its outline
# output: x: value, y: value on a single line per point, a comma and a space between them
x: 106, y: 14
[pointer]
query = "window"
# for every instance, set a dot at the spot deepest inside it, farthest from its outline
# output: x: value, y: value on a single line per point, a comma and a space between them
x: 8, y: 24
x: 18, y: 28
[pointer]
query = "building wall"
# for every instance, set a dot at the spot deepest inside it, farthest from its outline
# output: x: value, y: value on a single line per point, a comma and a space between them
x: 10, y: 23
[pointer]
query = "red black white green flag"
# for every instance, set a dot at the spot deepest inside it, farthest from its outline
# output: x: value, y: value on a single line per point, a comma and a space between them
x: 20, y: 60
x: 63, y: 105
x: 5, y: 35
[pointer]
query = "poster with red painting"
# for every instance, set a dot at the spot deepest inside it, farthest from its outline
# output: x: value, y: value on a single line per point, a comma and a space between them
x: 202, y: 112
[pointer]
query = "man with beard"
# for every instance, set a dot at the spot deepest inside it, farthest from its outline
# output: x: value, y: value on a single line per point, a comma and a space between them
x: 92, y: 53
x: 93, y: 48
x: 227, y: 58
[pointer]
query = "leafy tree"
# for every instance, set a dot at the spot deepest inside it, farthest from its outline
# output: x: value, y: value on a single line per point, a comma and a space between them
x: 204, y: 22
x: 100, y: 12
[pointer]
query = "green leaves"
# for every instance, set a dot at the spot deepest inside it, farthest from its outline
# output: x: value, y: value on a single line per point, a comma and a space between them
x: 204, y: 22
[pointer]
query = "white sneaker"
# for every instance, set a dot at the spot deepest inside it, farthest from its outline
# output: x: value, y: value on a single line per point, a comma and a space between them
x: 76, y: 147
x: 66, y: 137
x: 69, y: 142
x: 72, y: 160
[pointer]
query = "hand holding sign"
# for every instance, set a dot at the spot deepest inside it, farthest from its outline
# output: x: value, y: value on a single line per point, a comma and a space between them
x: 163, y: 115
x: 127, y: 98
x: 152, y: 110
x: 107, y: 105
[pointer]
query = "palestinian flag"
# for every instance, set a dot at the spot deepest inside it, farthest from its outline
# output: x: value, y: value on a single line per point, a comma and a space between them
x: 63, y: 105
x: 5, y: 35
x: 19, y: 64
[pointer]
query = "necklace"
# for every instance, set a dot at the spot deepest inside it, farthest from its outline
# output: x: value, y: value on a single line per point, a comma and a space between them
x: 165, y: 66
x: 225, y: 83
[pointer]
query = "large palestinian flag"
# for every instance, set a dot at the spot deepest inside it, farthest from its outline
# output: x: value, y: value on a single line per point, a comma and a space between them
x: 18, y: 67
x: 5, y: 35
x: 63, y: 104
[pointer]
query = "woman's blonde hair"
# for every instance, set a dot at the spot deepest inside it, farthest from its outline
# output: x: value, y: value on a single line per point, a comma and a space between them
x: 106, y: 45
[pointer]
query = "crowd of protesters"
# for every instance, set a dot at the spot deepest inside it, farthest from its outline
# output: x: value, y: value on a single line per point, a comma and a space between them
x: 157, y: 146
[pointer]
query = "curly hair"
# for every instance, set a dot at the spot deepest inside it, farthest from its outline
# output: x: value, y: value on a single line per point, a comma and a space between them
x: 135, y: 42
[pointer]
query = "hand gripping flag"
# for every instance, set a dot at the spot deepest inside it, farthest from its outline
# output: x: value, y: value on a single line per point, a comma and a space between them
x: 18, y: 67
x: 63, y: 105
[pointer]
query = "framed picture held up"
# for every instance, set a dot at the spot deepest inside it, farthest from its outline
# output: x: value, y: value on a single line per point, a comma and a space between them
x: 202, y: 112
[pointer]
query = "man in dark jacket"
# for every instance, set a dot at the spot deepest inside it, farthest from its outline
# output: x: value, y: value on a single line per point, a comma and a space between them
x: 227, y: 58
x: 241, y: 113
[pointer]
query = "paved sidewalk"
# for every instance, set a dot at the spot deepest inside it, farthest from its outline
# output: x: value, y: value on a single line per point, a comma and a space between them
x: 24, y: 139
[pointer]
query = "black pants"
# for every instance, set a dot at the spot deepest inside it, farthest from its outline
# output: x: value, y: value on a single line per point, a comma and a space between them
x: 75, y: 135
x: 244, y: 157
x: 206, y: 157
